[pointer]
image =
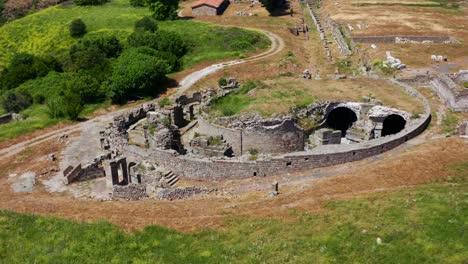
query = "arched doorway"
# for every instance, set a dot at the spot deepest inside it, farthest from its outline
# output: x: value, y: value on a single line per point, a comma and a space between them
x: 393, y: 124
x: 341, y: 118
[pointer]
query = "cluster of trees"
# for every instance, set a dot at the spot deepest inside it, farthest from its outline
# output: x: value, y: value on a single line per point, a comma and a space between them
x: 161, y: 9
x: 97, y: 67
x: 90, y: 2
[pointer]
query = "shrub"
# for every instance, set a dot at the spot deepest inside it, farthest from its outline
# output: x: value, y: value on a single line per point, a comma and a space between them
x: 164, y: 102
x: 16, y: 101
x: 23, y: 67
x: 135, y: 73
x: 222, y: 81
x: 90, y: 2
x: 160, y: 40
x: 109, y: 45
x: 54, y: 107
x: 77, y: 28
x: 73, y: 103
x: 163, y: 9
x: 137, y: 3
x: 146, y: 24
x: 88, y: 58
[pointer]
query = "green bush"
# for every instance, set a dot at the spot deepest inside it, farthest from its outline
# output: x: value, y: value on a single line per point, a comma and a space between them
x: 109, y: 45
x: 137, y: 3
x: 163, y: 9
x: 222, y: 81
x: 90, y: 2
x: 161, y: 40
x: 14, y: 101
x: 164, y: 102
x: 135, y: 73
x: 84, y: 59
x: 23, y: 67
x: 146, y: 24
x: 77, y: 28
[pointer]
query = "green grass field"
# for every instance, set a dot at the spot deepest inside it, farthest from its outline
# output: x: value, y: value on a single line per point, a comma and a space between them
x: 426, y: 224
x: 46, y: 32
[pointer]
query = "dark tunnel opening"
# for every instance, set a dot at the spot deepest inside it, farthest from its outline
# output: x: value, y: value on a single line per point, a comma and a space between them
x: 393, y: 124
x: 341, y: 118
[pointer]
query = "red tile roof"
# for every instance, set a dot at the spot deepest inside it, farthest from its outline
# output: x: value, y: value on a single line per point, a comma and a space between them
x: 212, y: 3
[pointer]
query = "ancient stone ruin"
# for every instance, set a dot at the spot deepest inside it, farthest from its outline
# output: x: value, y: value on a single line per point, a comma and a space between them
x: 148, y: 149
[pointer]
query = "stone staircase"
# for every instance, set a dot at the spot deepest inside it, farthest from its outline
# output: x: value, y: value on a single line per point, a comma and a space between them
x: 170, y: 179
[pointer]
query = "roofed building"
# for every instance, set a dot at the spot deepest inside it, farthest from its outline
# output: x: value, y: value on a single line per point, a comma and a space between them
x: 209, y: 7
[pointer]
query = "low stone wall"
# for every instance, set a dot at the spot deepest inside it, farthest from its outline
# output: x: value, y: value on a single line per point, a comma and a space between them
x: 232, y: 136
x: 452, y: 94
x: 413, y: 39
x: 327, y: 155
x: 79, y: 173
x: 6, y: 118
x: 131, y: 191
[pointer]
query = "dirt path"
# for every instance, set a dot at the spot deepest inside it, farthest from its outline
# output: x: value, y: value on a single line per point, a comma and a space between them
x: 277, y: 44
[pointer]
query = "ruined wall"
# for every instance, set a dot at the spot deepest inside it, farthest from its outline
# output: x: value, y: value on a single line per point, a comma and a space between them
x: 6, y: 118
x: 131, y: 191
x: 410, y: 39
x: 281, y: 137
x: 327, y: 155
x: 452, y: 94
x: 276, y: 138
x: 232, y: 136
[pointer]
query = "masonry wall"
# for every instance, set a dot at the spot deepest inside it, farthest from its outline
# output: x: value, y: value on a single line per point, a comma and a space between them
x: 204, y: 10
x: 281, y: 138
x: 453, y: 95
x: 232, y: 136
x: 391, y: 39
x: 328, y: 155
x: 6, y: 118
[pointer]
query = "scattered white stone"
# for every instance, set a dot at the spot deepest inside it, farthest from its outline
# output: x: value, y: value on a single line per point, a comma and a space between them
x: 373, y: 46
x: 379, y: 241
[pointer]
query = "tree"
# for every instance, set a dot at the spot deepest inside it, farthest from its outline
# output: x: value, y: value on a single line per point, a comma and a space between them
x: 109, y: 45
x: 25, y: 66
x: 73, y: 104
x: 135, y: 73
x: 163, y: 9
x: 137, y: 3
x: 14, y: 101
x: 271, y: 5
x: 146, y: 24
x: 90, y: 2
x: 77, y: 28
x: 161, y: 40
x: 88, y: 58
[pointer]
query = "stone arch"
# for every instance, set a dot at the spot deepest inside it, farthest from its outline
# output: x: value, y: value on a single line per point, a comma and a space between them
x: 341, y: 118
x: 393, y: 124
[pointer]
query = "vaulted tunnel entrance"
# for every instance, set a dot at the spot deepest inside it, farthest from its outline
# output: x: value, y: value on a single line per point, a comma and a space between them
x: 341, y: 118
x: 393, y: 124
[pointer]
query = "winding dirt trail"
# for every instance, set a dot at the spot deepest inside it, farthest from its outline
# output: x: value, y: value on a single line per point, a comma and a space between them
x: 277, y: 44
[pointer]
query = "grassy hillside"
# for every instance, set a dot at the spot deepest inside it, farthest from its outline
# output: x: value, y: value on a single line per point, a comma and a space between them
x: 46, y: 32
x: 417, y: 225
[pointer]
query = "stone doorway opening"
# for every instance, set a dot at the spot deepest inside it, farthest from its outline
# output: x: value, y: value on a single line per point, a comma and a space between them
x: 393, y: 124
x: 341, y: 118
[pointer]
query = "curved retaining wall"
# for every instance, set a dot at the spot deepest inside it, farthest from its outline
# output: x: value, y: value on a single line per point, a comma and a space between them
x: 327, y: 155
